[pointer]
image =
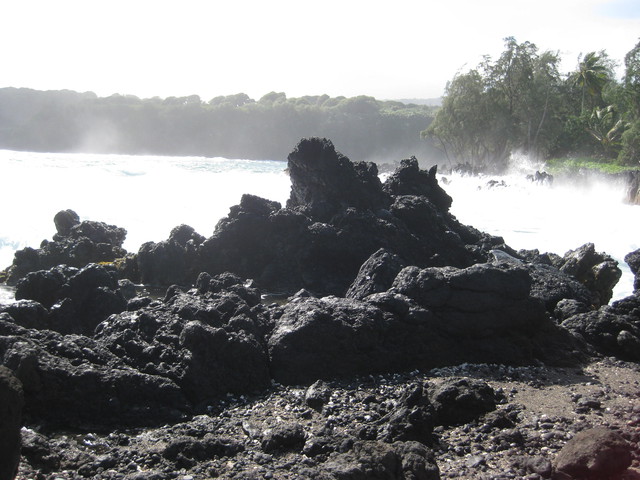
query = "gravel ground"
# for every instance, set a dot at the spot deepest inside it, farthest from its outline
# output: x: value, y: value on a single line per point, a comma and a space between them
x: 290, y: 432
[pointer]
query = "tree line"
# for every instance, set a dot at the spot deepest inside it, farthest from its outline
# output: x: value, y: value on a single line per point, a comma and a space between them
x: 521, y: 102
x: 234, y: 126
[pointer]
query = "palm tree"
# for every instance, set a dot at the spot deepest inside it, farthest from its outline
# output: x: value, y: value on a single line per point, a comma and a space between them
x: 591, y: 76
x: 607, y: 129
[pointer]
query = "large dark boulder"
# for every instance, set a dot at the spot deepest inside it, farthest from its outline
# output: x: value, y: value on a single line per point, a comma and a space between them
x: 479, y: 300
x: 27, y: 313
x: 327, y: 338
x: 72, y: 380
x: 11, y: 404
x: 375, y: 460
x: 456, y: 402
x: 429, y: 317
x: 594, y: 454
x: 552, y: 286
x: 64, y: 221
x: 75, y: 244
x: 77, y: 300
x: 208, y: 341
x: 412, y: 418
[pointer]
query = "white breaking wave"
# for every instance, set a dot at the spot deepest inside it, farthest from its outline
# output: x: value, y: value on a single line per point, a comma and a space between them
x: 146, y: 195
x: 552, y: 218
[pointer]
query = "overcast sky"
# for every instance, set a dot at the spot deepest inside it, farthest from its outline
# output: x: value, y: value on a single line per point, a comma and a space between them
x: 386, y: 49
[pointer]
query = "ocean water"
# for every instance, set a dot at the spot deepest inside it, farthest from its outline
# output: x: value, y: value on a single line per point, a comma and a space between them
x: 149, y: 195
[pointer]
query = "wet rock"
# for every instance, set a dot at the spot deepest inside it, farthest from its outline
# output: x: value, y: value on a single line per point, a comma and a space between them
x: 594, y: 453
x: 541, y: 178
x: 75, y: 244
x: 11, y: 404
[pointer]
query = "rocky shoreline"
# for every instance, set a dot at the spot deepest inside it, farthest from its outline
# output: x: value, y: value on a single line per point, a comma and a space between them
x: 410, y: 345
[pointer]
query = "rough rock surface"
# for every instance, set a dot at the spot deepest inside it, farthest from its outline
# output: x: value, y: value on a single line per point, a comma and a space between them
x: 337, y: 216
x: 76, y: 300
x: 597, y: 271
x: 594, y: 453
x: 166, y: 262
x: 11, y: 403
x: 75, y: 244
x: 429, y: 317
x: 212, y: 381
x: 612, y: 330
x: 584, y: 275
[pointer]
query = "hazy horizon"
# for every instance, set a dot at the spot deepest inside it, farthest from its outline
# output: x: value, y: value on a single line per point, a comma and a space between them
x: 408, y: 49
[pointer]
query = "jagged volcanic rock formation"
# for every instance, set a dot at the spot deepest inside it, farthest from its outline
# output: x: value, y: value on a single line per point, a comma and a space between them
x: 75, y: 244
x: 338, y: 214
x: 410, y: 289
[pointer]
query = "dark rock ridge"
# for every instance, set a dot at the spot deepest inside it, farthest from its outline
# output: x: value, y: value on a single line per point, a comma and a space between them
x: 338, y: 214
x: 146, y: 361
x: 428, y: 317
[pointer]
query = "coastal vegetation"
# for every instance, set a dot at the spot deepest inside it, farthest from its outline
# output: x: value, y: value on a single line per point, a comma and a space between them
x: 521, y: 102
x: 233, y: 126
x: 558, y: 166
